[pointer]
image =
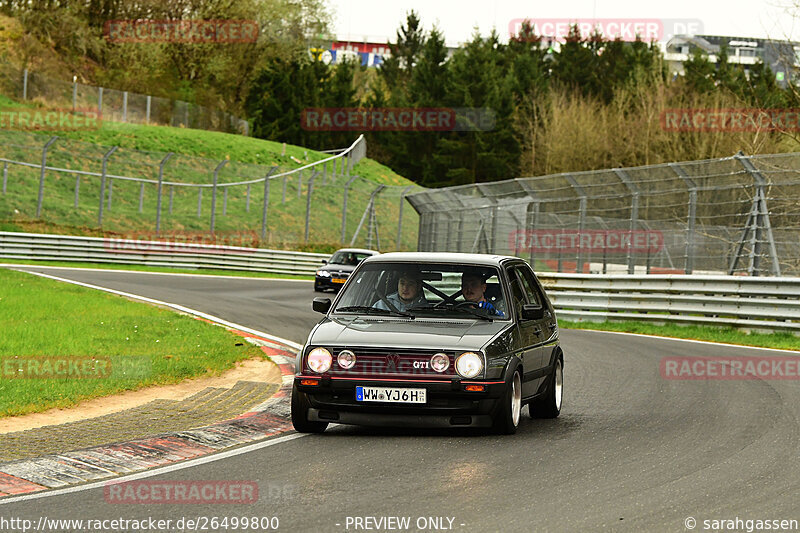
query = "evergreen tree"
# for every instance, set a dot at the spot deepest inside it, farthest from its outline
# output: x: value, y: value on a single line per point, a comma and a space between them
x: 699, y: 72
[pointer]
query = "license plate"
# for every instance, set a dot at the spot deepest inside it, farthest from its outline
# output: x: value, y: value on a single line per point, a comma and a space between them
x: 390, y: 394
x: 338, y: 280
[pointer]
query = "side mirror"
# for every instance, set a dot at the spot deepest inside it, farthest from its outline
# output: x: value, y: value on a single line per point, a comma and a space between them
x: 321, y: 305
x: 324, y: 261
x: 532, y: 312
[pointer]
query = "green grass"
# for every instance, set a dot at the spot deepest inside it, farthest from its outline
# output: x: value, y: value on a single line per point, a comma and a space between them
x: 781, y: 340
x: 146, y: 345
x: 145, y: 268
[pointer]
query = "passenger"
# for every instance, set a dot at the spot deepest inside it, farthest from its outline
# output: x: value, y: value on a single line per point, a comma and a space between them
x: 473, y: 287
x: 409, y: 293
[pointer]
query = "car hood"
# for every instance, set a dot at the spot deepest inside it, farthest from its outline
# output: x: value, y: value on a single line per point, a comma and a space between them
x: 423, y: 333
x: 338, y: 269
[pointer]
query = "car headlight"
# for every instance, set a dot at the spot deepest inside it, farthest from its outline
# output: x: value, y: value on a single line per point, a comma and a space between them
x: 323, y: 273
x: 319, y: 360
x: 440, y: 362
x: 469, y: 365
x: 346, y: 359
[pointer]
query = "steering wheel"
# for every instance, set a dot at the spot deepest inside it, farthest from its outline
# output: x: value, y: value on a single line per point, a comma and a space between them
x: 468, y: 303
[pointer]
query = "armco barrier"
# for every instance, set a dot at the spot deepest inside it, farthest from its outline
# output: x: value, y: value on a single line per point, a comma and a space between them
x: 756, y: 303
x: 42, y: 247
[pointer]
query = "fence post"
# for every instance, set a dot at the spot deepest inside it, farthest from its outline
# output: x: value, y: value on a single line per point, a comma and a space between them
x: 147, y: 115
x: 41, y: 176
x: 141, y: 197
x: 623, y: 176
x: 100, y: 101
x: 25, y: 85
x: 214, y: 194
x: 125, y: 106
x: 309, y: 191
x: 103, y: 185
x: 199, y: 201
x: 5, y: 176
x: 400, y: 215
x: 77, y: 188
x: 160, y: 185
x: 344, y: 207
x: 692, y: 186
x: 74, y: 94
x: 266, y: 202
x: 581, y: 220
x: 761, y: 218
x: 369, y: 211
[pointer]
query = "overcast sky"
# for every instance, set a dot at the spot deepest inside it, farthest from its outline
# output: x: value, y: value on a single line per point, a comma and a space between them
x: 378, y: 20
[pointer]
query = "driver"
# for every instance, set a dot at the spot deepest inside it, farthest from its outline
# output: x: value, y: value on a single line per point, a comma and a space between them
x: 473, y: 287
x: 409, y: 293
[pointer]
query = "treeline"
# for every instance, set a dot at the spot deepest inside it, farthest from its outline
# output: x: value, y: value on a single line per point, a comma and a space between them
x: 212, y: 74
x: 594, y: 103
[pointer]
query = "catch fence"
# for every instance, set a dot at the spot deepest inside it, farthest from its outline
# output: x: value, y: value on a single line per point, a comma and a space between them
x: 734, y: 215
x: 298, y: 203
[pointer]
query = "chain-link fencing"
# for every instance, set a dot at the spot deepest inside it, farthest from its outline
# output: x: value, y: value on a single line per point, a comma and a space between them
x: 150, y: 194
x: 113, y: 105
x: 735, y: 215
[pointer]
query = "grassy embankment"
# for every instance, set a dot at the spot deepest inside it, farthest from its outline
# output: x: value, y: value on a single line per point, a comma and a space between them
x: 140, y: 345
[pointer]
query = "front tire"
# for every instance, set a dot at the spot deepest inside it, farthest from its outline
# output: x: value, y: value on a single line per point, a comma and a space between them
x: 300, y: 419
x: 506, y: 420
x: 549, y: 406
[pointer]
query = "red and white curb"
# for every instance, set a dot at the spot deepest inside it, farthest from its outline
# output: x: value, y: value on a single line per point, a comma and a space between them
x: 109, y: 461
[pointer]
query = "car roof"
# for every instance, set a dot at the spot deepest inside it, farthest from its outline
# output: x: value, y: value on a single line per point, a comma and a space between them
x: 358, y: 250
x: 440, y: 257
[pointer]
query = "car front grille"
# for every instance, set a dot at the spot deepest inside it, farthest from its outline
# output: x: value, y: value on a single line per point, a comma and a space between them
x: 405, y: 363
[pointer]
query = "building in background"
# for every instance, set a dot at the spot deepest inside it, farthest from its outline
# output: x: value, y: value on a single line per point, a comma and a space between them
x: 782, y: 57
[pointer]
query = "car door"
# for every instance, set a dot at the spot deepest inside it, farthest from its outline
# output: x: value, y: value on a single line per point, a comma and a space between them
x: 530, y: 338
x: 539, y: 329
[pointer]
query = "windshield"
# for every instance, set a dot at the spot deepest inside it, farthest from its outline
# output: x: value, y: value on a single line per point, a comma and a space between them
x: 348, y: 258
x: 414, y: 290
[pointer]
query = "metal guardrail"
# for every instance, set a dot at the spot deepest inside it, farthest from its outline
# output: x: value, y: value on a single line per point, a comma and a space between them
x: 756, y: 303
x: 41, y: 247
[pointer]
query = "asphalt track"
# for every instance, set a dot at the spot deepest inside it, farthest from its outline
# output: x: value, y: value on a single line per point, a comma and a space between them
x: 631, y: 450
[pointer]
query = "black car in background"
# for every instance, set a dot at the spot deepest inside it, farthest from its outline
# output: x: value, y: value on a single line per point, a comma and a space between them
x: 338, y: 268
x: 431, y: 340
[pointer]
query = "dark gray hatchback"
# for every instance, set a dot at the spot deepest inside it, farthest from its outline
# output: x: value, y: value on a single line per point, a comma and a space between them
x: 431, y: 340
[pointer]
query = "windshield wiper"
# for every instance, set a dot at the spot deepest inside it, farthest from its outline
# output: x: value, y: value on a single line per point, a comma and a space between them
x: 373, y: 310
x: 452, y: 307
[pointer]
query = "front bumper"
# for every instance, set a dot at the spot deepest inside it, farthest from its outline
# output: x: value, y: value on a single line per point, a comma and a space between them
x: 325, y: 283
x: 448, y: 403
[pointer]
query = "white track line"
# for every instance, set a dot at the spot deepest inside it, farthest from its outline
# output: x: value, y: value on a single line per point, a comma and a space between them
x: 176, y: 307
x: 156, y: 471
x: 18, y: 266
